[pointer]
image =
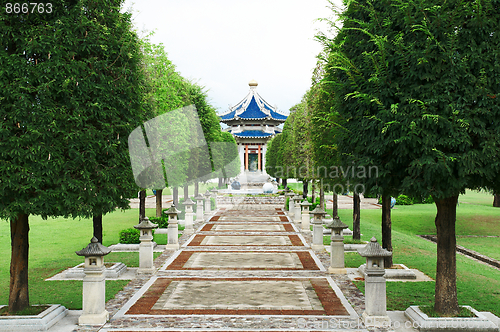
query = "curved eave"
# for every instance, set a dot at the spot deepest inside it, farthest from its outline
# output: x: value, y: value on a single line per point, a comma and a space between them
x: 252, y: 134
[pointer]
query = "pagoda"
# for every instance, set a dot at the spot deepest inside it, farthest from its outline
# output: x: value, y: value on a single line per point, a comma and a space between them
x: 253, y: 122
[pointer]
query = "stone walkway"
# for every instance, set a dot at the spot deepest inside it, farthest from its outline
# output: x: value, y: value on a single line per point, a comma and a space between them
x: 248, y: 268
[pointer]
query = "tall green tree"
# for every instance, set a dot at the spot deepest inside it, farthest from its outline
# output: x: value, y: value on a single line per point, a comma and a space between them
x: 167, y: 92
x: 416, y: 84
x: 71, y: 93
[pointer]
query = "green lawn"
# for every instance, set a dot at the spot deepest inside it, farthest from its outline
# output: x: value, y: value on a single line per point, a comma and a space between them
x: 478, y: 285
x: 53, y: 243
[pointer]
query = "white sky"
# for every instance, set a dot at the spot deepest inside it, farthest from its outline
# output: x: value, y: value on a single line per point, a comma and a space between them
x: 223, y: 44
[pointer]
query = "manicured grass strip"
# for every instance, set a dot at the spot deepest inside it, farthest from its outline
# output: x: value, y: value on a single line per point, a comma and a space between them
x: 131, y: 259
x: 487, y: 246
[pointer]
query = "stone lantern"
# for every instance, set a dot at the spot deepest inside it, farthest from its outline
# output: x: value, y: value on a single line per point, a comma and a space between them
x: 305, y: 227
x: 297, y: 218
x: 94, y: 287
x: 199, y: 207
x: 318, y: 214
x: 214, y: 195
x: 207, y: 204
x: 375, y: 292
x: 146, y: 247
x: 173, y: 230
x: 188, y: 223
x: 337, y: 264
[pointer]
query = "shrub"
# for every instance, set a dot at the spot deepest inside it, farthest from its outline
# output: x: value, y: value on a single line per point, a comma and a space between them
x: 161, y: 221
x: 314, y: 204
x: 130, y: 236
x: 404, y: 200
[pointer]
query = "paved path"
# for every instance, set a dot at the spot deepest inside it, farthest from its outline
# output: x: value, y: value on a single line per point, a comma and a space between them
x: 248, y: 268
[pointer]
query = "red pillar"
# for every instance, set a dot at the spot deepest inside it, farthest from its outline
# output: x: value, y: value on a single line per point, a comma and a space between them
x: 258, y: 153
x: 246, y: 157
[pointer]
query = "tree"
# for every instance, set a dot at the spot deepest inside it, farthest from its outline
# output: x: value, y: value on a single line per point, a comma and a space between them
x: 496, y: 200
x: 71, y: 94
x: 416, y: 85
x: 166, y: 92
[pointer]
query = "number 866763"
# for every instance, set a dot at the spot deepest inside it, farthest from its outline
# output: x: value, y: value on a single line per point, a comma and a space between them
x: 28, y: 7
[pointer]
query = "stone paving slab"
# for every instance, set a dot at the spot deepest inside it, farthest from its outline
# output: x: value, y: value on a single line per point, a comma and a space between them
x: 239, y: 227
x: 246, y: 240
x: 239, y: 296
x: 241, y: 260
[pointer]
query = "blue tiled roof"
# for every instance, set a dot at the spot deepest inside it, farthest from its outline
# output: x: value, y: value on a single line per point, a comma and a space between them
x: 252, y: 133
x: 277, y: 116
x: 228, y: 116
x: 253, y: 111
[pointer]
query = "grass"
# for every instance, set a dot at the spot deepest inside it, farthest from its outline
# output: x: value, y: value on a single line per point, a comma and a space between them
x: 53, y: 243
x: 131, y: 259
x: 477, y: 284
x: 429, y: 311
x: 487, y: 246
x: 32, y: 310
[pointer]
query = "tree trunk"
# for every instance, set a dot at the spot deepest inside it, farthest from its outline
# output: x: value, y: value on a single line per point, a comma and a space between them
x: 304, y: 188
x: 313, y: 194
x: 18, y: 294
x: 220, y: 183
x: 196, y: 189
x: 356, y: 229
x: 284, y: 183
x: 97, y: 223
x: 175, y: 196
x: 387, y: 228
x: 142, y: 205
x: 321, y: 197
x: 186, y: 192
x: 335, y: 211
x: 446, y: 302
x: 159, y: 204
x: 496, y: 200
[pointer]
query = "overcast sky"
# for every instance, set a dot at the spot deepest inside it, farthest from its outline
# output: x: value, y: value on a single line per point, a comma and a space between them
x: 223, y: 44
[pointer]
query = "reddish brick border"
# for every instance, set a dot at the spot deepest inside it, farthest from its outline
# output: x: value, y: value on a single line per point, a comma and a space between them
x: 198, y: 238
x: 283, y: 218
x: 332, y: 305
x: 306, y: 260
x: 214, y: 218
x: 207, y: 227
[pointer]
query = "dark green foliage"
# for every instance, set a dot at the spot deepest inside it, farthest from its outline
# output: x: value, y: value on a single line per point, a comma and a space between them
x: 130, y: 236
